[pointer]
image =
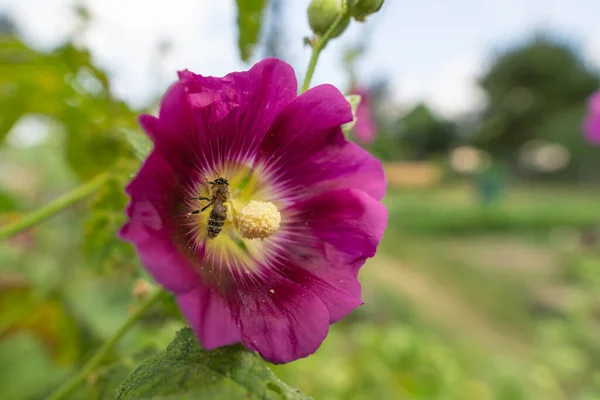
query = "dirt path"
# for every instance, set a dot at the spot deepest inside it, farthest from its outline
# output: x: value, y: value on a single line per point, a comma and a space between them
x: 445, y: 307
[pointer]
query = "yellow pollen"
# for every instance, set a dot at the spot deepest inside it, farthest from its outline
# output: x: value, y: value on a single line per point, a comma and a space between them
x: 258, y: 220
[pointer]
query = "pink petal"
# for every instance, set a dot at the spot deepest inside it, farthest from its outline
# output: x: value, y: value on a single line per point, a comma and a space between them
x: 594, y: 103
x: 364, y: 129
x: 305, y: 152
x: 204, y: 121
x: 309, y: 122
x: 591, y: 127
x: 329, y: 274
x: 150, y: 225
x: 348, y: 219
x: 288, y: 323
x: 209, y: 316
x: 327, y: 239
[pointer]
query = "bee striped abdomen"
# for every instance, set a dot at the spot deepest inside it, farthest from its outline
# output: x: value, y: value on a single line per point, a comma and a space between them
x: 215, y: 224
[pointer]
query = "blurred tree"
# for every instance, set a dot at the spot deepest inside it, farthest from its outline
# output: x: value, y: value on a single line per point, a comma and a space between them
x: 527, y: 85
x: 424, y: 134
x: 6, y: 26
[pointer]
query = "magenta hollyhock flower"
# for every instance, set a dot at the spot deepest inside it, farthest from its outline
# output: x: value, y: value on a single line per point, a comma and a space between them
x: 292, y: 209
x: 364, y: 129
x: 591, y: 124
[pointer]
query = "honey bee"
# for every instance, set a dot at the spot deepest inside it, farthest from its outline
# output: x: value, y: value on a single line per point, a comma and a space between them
x: 221, y: 194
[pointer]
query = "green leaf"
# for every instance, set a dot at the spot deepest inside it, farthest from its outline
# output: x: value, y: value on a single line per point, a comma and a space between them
x: 141, y: 145
x: 354, y: 100
x: 249, y: 18
x: 186, y: 371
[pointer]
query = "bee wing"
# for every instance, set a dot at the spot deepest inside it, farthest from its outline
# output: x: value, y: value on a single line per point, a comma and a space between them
x: 233, y: 215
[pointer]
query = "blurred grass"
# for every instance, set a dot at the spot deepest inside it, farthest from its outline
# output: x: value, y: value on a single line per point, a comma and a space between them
x: 454, y: 305
x: 456, y: 210
x: 463, y: 301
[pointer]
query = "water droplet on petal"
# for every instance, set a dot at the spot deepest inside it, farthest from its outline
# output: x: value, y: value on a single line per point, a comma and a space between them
x: 272, y: 291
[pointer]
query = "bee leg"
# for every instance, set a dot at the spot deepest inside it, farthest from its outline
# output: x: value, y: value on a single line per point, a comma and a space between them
x: 199, y: 198
x: 202, y: 209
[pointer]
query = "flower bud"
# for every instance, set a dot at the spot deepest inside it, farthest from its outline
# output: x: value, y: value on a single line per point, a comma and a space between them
x: 361, y: 9
x: 141, y: 289
x: 322, y: 14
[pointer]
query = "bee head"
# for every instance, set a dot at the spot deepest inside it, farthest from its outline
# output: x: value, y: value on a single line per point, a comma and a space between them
x: 220, y: 181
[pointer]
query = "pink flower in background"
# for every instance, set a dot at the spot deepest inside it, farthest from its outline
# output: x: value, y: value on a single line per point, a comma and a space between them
x: 292, y: 209
x: 591, y: 124
x: 365, y: 129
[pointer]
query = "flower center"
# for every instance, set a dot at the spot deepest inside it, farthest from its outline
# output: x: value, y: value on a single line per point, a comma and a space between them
x: 252, y: 212
x: 258, y: 220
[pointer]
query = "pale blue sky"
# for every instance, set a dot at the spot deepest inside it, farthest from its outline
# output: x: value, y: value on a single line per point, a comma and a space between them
x: 430, y: 49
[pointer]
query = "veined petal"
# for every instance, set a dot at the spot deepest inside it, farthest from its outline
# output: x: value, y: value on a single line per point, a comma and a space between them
x: 326, y: 240
x: 282, y: 324
x: 209, y: 316
x: 305, y: 152
x: 348, y: 219
x: 343, y: 166
x: 309, y: 122
x: 150, y: 225
x: 327, y: 273
x: 206, y: 121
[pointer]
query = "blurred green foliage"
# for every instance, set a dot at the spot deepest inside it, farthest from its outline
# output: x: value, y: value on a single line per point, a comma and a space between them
x: 464, y: 300
x: 65, y: 86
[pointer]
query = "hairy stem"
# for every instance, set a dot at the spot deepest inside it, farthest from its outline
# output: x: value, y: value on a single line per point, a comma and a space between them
x: 319, y: 44
x: 68, y: 387
x: 55, y: 207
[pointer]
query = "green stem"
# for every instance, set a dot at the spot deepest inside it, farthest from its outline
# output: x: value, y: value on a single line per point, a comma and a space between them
x: 68, y: 387
x: 319, y: 44
x: 55, y: 207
